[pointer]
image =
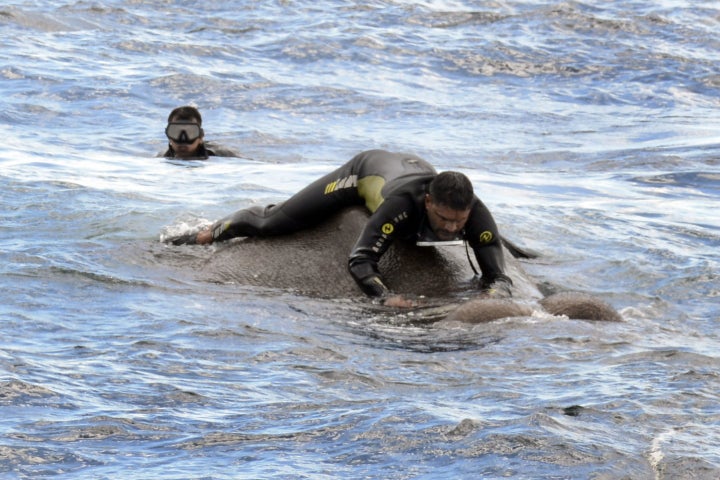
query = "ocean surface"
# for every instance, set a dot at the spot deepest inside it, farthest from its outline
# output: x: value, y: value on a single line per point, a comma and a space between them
x: 590, y: 129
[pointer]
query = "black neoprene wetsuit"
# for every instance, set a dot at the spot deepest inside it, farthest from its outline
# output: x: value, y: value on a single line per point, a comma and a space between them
x: 204, y: 151
x: 392, y: 186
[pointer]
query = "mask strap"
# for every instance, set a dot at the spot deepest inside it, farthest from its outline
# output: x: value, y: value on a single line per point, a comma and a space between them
x: 467, y: 251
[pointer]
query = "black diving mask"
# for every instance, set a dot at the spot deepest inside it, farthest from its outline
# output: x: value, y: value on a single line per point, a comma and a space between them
x: 184, y: 133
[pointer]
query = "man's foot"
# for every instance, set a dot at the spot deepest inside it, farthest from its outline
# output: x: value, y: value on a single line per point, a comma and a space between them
x: 185, y: 239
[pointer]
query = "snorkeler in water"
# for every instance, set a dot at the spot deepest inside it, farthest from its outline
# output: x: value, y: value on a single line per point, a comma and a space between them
x: 187, y: 139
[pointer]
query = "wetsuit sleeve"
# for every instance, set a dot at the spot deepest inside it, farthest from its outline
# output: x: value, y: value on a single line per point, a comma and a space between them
x: 484, y: 238
x: 230, y: 226
x: 492, y: 264
x: 377, y: 236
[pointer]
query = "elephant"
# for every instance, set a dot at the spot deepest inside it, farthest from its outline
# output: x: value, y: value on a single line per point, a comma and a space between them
x: 313, y: 262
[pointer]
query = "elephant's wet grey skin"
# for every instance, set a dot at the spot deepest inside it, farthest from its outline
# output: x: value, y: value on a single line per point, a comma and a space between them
x: 313, y: 262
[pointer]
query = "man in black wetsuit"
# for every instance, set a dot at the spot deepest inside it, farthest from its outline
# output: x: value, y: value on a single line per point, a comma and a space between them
x: 407, y: 199
x: 187, y: 138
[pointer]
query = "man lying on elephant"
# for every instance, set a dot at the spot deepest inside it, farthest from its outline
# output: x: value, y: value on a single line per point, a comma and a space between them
x: 407, y: 199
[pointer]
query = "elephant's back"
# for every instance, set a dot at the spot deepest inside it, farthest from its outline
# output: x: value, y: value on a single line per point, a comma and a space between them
x: 314, y: 262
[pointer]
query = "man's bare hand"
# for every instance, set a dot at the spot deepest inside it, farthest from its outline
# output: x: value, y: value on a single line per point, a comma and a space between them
x: 400, y: 302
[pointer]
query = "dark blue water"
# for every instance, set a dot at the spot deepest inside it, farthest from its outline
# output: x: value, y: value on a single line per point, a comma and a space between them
x: 591, y: 131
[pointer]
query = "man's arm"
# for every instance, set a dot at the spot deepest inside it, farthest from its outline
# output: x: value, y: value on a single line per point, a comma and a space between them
x: 377, y: 236
x: 366, y: 275
x: 205, y: 236
x: 492, y: 264
x: 484, y: 238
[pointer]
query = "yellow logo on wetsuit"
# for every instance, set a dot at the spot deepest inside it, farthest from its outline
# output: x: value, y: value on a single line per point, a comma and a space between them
x: 217, y: 231
x: 346, y: 182
x: 486, y: 237
x: 388, y: 228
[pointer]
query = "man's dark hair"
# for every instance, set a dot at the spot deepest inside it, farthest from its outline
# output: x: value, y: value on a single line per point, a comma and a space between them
x: 451, y: 189
x: 185, y: 114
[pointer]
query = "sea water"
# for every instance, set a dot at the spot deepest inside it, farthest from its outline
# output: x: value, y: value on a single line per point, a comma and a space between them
x: 590, y: 129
